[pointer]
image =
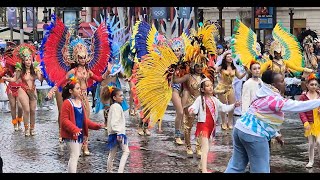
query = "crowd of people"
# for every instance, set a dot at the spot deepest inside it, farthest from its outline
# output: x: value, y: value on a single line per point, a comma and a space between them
x: 205, y: 81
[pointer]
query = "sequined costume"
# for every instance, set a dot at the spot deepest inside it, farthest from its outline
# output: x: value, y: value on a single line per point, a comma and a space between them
x: 226, y: 89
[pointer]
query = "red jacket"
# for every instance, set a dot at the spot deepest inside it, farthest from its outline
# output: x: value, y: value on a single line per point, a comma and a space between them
x: 305, y: 116
x: 68, y: 122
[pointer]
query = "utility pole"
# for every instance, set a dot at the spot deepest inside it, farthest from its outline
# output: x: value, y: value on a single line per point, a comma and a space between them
x: 196, y: 17
x: 179, y: 27
x: 291, y: 19
x: 5, y: 17
x: 220, y: 23
x: 35, y: 23
x: 21, y: 25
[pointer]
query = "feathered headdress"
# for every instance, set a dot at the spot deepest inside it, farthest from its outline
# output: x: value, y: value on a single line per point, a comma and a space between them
x: 276, y: 47
x: 23, y: 51
x: 177, y: 45
x: 79, y: 48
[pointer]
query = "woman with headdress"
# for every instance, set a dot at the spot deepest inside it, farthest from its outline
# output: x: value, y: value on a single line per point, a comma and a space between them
x: 178, y: 48
x: 63, y: 57
x: 224, y: 89
x: 26, y: 73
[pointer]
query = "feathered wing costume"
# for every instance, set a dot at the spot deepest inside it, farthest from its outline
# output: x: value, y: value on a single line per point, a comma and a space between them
x: 59, y: 50
x: 117, y: 38
x: 153, y: 89
x: 144, y: 39
x: 244, y: 43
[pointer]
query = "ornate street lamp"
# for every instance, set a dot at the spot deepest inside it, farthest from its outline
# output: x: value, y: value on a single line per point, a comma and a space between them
x: 291, y: 19
x: 220, y: 23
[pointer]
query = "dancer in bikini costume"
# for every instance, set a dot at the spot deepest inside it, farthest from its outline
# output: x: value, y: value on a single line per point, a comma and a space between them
x: 12, y: 91
x: 224, y: 89
x: 62, y: 55
x: 26, y: 72
x: 155, y: 76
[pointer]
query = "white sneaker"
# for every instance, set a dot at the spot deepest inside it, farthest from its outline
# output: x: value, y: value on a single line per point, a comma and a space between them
x: 309, y: 165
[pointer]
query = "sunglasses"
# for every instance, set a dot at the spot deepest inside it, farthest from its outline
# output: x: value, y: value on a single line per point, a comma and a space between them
x: 313, y: 84
x: 81, y: 57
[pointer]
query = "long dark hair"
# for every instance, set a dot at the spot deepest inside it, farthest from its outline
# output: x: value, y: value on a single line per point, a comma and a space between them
x: 74, y: 65
x: 24, y: 69
x: 224, y: 64
x: 106, y: 95
x: 65, y: 91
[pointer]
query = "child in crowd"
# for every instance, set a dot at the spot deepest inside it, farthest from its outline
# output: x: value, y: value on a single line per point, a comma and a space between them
x: 207, y: 107
x: 74, y: 122
x: 116, y: 129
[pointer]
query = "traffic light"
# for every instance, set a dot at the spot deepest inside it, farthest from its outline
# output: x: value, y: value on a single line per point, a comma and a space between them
x: 200, y: 17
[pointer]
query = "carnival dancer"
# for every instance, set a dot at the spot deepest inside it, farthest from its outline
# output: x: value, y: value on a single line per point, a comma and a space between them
x: 190, y: 92
x: 115, y: 69
x: 284, y: 51
x: 178, y: 47
x: 25, y: 74
x: 74, y: 122
x: 224, y: 89
x: 311, y: 119
x: 12, y: 92
x: 251, y: 86
x: 206, y: 106
x: 261, y: 123
x: 87, y: 63
x: 145, y: 40
x: 116, y: 130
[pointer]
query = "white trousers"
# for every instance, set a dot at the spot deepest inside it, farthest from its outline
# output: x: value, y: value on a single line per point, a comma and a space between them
x: 75, y: 149
x: 123, y: 160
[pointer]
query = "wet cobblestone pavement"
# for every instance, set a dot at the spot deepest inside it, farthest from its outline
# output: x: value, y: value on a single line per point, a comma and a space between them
x: 148, y: 154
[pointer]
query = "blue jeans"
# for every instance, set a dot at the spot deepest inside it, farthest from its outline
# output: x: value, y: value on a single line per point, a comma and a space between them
x: 249, y: 148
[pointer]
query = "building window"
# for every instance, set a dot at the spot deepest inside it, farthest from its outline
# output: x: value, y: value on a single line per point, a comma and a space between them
x: 299, y: 25
x: 233, y: 21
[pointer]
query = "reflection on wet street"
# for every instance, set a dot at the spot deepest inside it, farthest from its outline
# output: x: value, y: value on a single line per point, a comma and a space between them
x: 148, y: 154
